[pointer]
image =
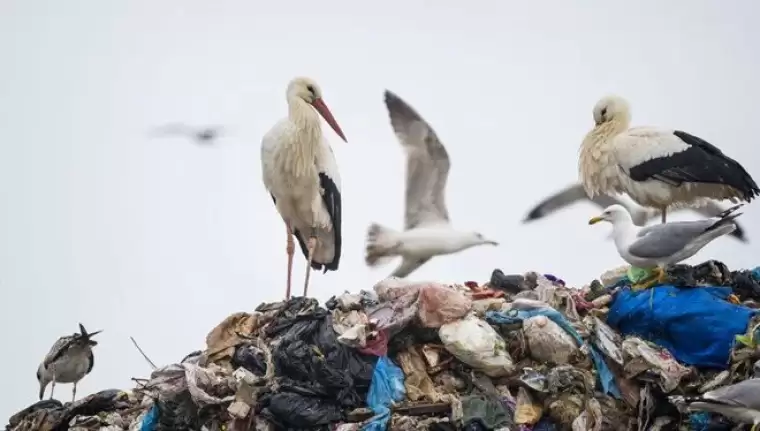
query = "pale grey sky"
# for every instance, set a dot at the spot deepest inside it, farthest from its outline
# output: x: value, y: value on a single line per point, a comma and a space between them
x: 161, y: 239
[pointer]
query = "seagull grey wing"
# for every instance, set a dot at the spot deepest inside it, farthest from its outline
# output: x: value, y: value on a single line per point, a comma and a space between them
x: 59, y: 348
x: 557, y: 201
x: 665, y: 240
x: 427, y: 166
x: 172, y: 129
x: 744, y: 394
x: 408, y: 266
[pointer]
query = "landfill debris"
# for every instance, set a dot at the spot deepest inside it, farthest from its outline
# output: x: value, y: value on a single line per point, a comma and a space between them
x: 520, y: 352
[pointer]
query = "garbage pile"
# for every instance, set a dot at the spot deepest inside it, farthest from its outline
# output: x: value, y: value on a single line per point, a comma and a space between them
x: 520, y: 352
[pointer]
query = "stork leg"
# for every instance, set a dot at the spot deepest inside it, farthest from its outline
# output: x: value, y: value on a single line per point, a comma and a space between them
x: 312, y: 246
x: 74, y: 392
x: 52, y: 389
x: 664, y: 214
x: 290, y: 249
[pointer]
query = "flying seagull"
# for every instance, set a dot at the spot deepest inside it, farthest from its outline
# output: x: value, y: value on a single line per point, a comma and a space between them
x: 653, y: 247
x: 657, y: 168
x: 739, y: 402
x: 301, y: 174
x: 68, y: 361
x: 427, y: 231
x: 203, y: 135
x: 640, y: 215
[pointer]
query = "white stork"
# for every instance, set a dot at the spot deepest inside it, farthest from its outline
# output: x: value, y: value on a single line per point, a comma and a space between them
x: 301, y: 174
x: 657, y: 168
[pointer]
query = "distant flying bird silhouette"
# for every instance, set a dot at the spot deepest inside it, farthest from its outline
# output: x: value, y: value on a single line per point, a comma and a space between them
x: 203, y: 135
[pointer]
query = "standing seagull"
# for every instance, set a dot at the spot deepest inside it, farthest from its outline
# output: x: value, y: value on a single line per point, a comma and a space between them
x: 68, y: 361
x: 640, y: 215
x: 654, y: 247
x: 301, y: 174
x: 739, y: 402
x: 427, y: 231
x: 657, y: 168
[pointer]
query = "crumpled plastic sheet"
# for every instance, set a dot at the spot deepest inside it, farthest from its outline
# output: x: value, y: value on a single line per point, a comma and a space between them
x: 670, y: 316
x: 477, y: 344
x: 643, y: 357
x: 486, y: 412
x: 202, y: 383
x: 387, y: 388
x: 526, y: 309
x: 433, y: 303
x: 222, y: 340
x: 348, y: 301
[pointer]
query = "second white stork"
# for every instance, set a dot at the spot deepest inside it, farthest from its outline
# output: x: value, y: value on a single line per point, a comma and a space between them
x: 657, y: 168
x: 301, y: 174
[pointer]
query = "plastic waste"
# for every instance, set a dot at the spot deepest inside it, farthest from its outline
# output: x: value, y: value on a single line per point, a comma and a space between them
x: 475, y: 343
x: 387, y: 387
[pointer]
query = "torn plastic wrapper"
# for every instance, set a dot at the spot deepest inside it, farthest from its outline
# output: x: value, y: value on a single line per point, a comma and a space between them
x: 475, y: 343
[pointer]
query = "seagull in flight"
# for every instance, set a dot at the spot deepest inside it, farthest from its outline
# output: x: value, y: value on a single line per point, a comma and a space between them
x: 427, y: 230
x: 202, y: 135
x: 640, y: 215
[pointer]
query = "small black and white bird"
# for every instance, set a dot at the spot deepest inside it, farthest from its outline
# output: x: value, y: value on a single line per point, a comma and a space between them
x: 202, y: 136
x: 657, y: 168
x: 68, y: 361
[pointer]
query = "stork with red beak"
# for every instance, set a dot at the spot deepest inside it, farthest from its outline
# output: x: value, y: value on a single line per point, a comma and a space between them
x: 301, y: 175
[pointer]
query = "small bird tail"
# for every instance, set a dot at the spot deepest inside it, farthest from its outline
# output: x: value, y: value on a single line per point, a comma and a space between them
x: 380, y: 244
x: 87, y: 336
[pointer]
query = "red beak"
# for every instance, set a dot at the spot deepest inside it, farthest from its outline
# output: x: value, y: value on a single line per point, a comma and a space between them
x: 324, y: 111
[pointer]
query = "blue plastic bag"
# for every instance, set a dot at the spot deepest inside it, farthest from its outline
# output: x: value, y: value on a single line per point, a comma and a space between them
x: 386, y: 388
x: 695, y: 324
x: 150, y: 419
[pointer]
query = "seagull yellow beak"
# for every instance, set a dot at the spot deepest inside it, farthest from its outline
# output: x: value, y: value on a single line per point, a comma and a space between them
x: 595, y: 220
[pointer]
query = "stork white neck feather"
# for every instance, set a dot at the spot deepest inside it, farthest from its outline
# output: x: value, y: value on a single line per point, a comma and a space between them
x: 589, y: 163
x: 303, y: 145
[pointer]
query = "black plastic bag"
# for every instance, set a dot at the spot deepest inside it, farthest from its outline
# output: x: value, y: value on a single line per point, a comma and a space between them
x: 250, y: 357
x: 319, y: 377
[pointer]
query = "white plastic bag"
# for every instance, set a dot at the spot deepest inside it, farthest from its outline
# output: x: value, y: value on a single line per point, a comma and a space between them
x: 475, y: 343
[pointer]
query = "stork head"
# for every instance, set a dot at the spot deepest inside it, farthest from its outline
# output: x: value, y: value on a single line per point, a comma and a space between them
x: 613, y: 214
x: 611, y: 108
x: 306, y: 89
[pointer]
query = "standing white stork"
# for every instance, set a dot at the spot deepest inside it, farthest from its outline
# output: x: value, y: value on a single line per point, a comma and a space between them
x: 657, y: 168
x: 301, y: 174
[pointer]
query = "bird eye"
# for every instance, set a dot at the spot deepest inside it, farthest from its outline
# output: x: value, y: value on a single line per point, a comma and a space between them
x: 311, y: 90
x: 604, y: 112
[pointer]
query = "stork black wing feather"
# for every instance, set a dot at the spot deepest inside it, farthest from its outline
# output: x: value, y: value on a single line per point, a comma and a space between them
x: 701, y: 162
x: 334, y: 204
